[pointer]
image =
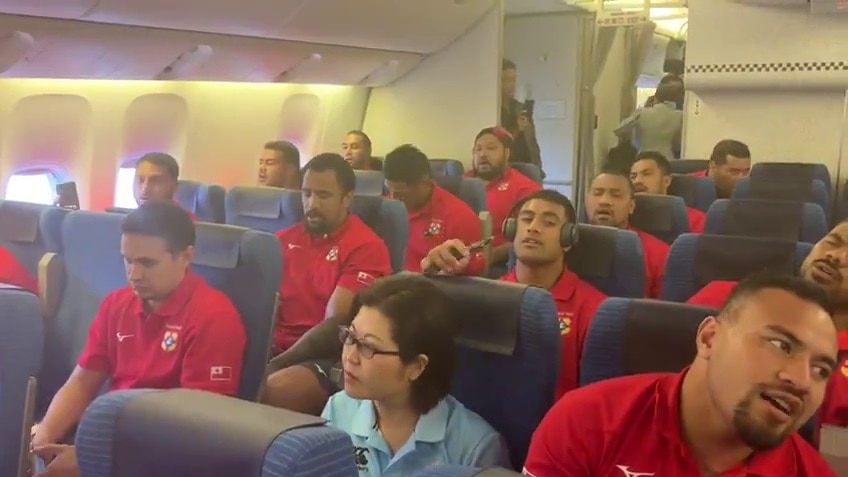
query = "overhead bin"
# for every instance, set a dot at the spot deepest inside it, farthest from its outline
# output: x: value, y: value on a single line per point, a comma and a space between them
x: 48, y: 8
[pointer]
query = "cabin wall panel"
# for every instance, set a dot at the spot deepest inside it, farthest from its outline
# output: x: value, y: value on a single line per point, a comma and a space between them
x: 442, y: 104
x: 227, y: 124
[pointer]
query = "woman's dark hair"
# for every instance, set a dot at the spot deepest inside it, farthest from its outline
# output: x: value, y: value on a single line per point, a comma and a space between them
x: 421, y: 323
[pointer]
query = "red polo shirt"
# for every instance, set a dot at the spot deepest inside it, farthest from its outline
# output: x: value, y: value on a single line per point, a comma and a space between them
x: 444, y: 217
x: 697, y: 220
x: 195, y: 339
x: 12, y: 272
x: 576, y: 302
x: 630, y: 427
x: 714, y: 294
x: 351, y: 257
x: 655, y: 251
x: 501, y: 196
x: 699, y: 173
x: 834, y: 409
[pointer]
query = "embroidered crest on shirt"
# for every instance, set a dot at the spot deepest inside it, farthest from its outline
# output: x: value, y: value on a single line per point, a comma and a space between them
x: 565, y: 323
x: 503, y: 186
x: 333, y: 254
x: 169, y: 341
x: 436, y: 229
x: 360, y: 456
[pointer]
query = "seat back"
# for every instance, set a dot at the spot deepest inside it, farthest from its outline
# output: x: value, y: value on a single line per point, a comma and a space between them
x: 609, y: 259
x: 446, y: 167
x: 698, y: 259
x: 206, y: 201
x: 144, y: 432
x: 508, y: 364
x: 21, y: 347
x: 369, y: 183
x: 696, y: 192
x: 461, y: 471
x: 796, y: 190
x: 785, y: 220
x: 639, y: 336
x: 663, y: 216
x: 247, y: 265
x: 530, y: 170
x: 470, y: 189
x: 388, y: 219
x: 781, y: 171
x: 688, y: 166
x: 29, y: 231
x: 93, y: 268
x: 269, y: 209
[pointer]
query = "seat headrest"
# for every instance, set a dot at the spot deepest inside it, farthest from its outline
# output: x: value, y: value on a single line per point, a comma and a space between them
x: 764, y: 218
x: 19, y: 221
x: 720, y: 257
x: 594, y: 253
x: 450, y: 167
x: 790, y: 188
x: 451, y: 184
x: 687, y: 166
x: 118, y: 210
x: 655, y: 213
x: 785, y: 172
x: 265, y: 202
x: 369, y: 183
x: 218, y: 246
x: 197, y: 433
x: 188, y: 193
x: 488, y: 311
x: 368, y: 209
x: 530, y: 170
x: 660, y: 336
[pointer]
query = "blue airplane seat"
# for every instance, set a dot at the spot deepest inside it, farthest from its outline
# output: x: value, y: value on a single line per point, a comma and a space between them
x: 779, y: 219
x: 639, y: 336
x: 509, y: 352
x: 370, y: 183
x: 780, y: 171
x: 29, y: 231
x: 688, y: 166
x: 797, y: 190
x: 206, y: 201
x: 446, y: 167
x: 530, y: 170
x: 460, y: 471
x: 21, y: 347
x: 663, y: 216
x: 269, y: 209
x: 698, y: 259
x: 246, y: 265
x: 470, y: 189
x: 180, y: 432
x: 388, y: 219
x: 696, y: 192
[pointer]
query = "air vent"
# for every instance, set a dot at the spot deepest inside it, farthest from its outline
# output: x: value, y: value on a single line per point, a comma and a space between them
x: 186, y: 63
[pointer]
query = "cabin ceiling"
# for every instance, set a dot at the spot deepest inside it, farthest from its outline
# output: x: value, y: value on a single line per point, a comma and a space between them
x: 367, y: 42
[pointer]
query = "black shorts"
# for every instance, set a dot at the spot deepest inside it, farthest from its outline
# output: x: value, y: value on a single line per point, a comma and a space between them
x: 327, y: 372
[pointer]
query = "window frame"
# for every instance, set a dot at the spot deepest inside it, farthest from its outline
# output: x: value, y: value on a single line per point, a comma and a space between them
x: 54, y: 176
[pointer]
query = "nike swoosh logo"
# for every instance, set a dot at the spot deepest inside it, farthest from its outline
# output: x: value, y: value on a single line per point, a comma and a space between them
x: 122, y: 337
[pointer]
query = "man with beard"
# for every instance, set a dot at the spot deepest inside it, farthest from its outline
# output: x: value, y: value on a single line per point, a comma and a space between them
x: 611, y: 202
x: 651, y: 174
x: 729, y: 162
x: 327, y: 259
x: 504, y: 185
x: 827, y: 267
x: 760, y: 372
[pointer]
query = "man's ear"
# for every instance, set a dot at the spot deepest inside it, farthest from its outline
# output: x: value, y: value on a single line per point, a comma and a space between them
x: 705, y: 339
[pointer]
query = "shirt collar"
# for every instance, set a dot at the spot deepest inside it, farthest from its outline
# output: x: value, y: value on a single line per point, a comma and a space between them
x: 507, y: 175
x: 842, y: 339
x: 335, y: 235
x: 175, y: 301
x: 434, y: 203
x: 563, y: 289
x: 778, y: 462
x: 430, y: 427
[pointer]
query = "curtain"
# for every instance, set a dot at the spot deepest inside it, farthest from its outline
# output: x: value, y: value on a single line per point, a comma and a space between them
x: 638, y: 41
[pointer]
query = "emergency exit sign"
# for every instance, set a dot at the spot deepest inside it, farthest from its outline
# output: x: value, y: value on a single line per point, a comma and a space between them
x: 611, y: 18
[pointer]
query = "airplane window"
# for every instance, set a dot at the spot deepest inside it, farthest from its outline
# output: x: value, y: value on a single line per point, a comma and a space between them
x: 124, y: 188
x: 36, y: 187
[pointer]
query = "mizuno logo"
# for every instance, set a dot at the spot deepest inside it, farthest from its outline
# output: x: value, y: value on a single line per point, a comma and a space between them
x: 629, y: 473
x: 122, y: 337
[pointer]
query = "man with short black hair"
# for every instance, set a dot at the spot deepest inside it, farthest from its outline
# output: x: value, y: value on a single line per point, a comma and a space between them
x: 156, y: 176
x: 435, y: 215
x: 729, y: 162
x: 356, y: 149
x: 517, y: 118
x: 167, y: 329
x: 651, y: 174
x: 760, y: 372
x: 279, y: 165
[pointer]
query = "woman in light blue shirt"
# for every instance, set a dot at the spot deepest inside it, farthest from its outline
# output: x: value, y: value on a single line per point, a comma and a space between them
x: 398, y: 361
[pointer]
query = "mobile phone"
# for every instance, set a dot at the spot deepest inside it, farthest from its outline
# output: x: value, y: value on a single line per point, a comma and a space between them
x: 38, y: 465
x: 66, y: 196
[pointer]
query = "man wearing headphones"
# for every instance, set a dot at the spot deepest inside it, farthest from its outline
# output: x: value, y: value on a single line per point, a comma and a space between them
x: 542, y: 229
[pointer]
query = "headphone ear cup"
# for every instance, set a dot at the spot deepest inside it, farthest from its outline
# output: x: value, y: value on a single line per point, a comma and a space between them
x: 568, y: 235
x: 508, y: 228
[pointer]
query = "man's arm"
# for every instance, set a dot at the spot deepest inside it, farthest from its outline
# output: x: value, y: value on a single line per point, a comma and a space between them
x: 214, y: 352
x: 320, y: 342
x: 567, y: 442
x: 362, y: 267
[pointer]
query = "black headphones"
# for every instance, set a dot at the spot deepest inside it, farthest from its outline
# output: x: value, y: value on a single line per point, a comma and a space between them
x: 568, y: 234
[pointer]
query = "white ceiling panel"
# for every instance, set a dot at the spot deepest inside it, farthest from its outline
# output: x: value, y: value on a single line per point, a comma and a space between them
x: 47, y: 8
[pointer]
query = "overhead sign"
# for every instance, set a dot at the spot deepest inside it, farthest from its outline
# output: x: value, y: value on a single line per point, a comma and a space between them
x: 611, y: 18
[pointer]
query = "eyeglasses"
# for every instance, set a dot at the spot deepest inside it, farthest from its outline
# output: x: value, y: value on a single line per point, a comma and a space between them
x: 366, y: 350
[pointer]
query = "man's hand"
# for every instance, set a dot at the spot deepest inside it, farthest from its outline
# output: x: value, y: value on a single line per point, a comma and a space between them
x: 61, y: 460
x: 449, y: 258
x: 523, y: 121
